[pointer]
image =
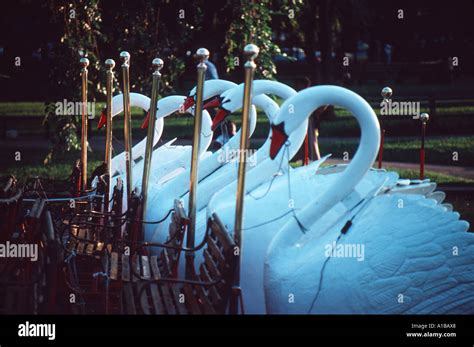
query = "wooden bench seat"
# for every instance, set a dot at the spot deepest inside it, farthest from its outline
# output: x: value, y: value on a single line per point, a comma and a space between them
x: 207, y: 293
x: 163, y: 265
x: 80, y: 243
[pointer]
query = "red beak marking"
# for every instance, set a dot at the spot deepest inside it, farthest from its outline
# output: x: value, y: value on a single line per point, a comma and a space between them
x: 145, y: 122
x: 188, y: 102
x: 279, y: 137
x: 214, y: 102
x: 102, y: 120
x: 219, y: 118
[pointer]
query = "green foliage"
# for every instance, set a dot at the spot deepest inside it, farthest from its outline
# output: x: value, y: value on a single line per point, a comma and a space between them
x: 62, y: 131
x: 81, y: 36
x: 100, y: 29
x: 147, y: 30
x: 251, y: 24
x: 151, y: 29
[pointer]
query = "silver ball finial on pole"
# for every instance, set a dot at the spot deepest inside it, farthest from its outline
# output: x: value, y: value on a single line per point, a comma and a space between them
x: 251, y: 51
x: 387, y: 93
x: 84, y: 62
x: 157, y: 64
x: 424, y: 117
x: 202, y: 54
x: 109, y: 64
x: 125, y: 57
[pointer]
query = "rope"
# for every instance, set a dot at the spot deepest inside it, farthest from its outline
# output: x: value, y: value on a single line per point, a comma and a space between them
x: 266, y: 222
x: 321, y: 274
x: 279, y: 171
x: 71, y: 255
x: 290, y: 195
x: 344, y: 231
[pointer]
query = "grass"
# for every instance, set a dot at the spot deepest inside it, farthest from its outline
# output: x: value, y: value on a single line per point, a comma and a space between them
x: 437, y: 177
x: 449, y: 121
x: 37, y: 109
x: 451, y: 110
x: 438, y: 151
x: 62, y: 167
x: 32, y: 165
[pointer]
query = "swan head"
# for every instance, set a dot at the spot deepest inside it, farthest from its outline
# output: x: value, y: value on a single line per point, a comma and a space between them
x: 300, y: 107
x: 146, y: 121
x: 279, y: 138
x: 233, y: 98
x: 222, y: 111
x: 136, y: 99
x: 188, y: 102
x: 211, y: 89
x: 165, y: 107
x: 102, y: 118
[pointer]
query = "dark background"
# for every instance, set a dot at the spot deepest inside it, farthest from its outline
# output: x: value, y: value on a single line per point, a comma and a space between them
x: 422, y: 42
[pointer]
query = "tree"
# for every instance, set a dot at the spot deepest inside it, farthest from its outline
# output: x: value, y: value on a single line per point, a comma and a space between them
x: 251, y: 24
x: 80, y: 20
x: 147, y: 29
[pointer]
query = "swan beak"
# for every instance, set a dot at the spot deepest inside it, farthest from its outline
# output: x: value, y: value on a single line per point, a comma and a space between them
x: 102, y: 119
x: 279, y: 138
x: 188, y: 102
x: 145, y: 122
x: 213, y: 102
x: 221, y: 115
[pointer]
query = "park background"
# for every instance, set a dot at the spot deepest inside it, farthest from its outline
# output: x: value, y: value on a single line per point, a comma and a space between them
x: 407, y: 45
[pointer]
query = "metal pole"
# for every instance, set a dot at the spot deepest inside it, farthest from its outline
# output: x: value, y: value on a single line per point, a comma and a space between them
x: 109, y: 65
x: 306, y: 148
x: 127, y: 128
x: 386, y: 94
x: 84, y: 63
x: 382, y: 140
x: 251, y: 52
x: 202, y: 54
x: 157, y: 66
x: 424, y: 117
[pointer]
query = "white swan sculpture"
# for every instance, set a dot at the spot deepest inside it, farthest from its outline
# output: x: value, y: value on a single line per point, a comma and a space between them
x: 138, y: 151
x: 176, y: 183
x: 268, y: 191
x: 169, y: 159
x: 355, y: 250
x: 229, y: 102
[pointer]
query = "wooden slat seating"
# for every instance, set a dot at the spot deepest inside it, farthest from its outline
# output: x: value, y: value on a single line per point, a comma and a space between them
x: 117, y: 262
x: 83, y: 258
x: 165, y: 263
x: 90, y: 232
x: 92, y: 235
x: 207, y: 293
x: 87, y: 248
x: 83, y: 241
